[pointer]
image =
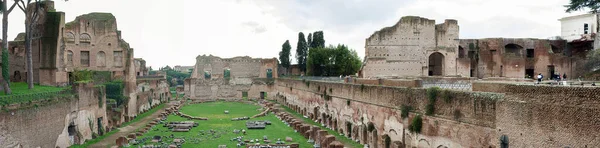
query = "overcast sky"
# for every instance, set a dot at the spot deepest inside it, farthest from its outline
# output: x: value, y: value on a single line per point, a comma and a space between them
x: 174, y: 32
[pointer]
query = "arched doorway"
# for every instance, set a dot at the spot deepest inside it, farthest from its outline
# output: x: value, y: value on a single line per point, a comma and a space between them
x: 436, y: 64
x: 375, y: 139
x: 387, y: 141
x: 364, y: 134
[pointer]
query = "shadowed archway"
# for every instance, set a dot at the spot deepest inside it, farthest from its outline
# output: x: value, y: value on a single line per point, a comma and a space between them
x: 436, y: 64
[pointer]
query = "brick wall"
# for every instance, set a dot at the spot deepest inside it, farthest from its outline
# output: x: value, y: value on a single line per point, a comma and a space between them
x: 531, y: 116
x: 46, y: 125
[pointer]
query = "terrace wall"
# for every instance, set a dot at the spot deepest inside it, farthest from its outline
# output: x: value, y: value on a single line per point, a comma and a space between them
x: 45, y: 123
x: 530, y: 116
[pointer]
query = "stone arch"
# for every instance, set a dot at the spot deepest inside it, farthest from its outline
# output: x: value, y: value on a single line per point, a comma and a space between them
x: 436, y: 64
x: 393, y: 131
x: 85, y: 38
x: 17, y: 76
x: 335, y: 125
x: 365, y: 134
x: 315, y: 113
x: 323, y: 118
x: 101, y: 59
x: 441, y: 146
x: 387, y: 141
x: 70, y: 37
x: 423, y: 143
x: 461, y: 52
x: 375, y: 139
x: 70, y: 58
x: 555, y: 49
x: 513, y: 49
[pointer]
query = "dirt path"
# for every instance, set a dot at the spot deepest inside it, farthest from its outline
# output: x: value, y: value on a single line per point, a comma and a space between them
x: 124, y: 131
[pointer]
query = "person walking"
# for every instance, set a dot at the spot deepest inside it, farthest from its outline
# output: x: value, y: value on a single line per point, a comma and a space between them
x: 565, y: 76
x: 539, y: 77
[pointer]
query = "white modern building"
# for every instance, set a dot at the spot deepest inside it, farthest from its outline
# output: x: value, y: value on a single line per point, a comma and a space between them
x: 578, y: 27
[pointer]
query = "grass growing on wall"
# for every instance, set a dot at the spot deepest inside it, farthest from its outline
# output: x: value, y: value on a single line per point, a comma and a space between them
x: 416, y: 124
x: 338, y: 137
x: 405, y: 110
x: 432, y: 94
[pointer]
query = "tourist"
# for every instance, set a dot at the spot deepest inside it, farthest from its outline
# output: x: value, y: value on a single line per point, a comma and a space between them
x: 565, y: 76
x: 539, y: 77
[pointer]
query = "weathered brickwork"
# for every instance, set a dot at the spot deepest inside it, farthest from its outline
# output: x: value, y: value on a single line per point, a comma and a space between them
x: 529, y: 116
x: 406, y: 48
x: 47, y: 125
x: 416, y: 46
x: 246, y: 75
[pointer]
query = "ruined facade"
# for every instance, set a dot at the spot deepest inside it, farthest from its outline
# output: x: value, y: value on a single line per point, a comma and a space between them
x: 216, y: 78
x: 417, y: 47
x: 70, y: 118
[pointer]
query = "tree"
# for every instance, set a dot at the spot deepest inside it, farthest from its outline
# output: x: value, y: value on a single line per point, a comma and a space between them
x: 5, y: 72
x: 318, y: 40
x: 302, y: 52
x: 30, y: 21
x: 284, y: 54
x: 309, y: 42
x: 332, y: 61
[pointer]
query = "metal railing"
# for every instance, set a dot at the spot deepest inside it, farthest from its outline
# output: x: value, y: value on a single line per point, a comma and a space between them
x: 316, y: 78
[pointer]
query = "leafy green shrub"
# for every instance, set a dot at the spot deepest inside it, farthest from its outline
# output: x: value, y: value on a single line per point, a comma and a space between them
x: 447, y: 96
x: 416, y: 124
x: 405, y: 110
x: 83, y: 75
x: 114, y: 90
x: 432, y: 93
x: 429, y: 109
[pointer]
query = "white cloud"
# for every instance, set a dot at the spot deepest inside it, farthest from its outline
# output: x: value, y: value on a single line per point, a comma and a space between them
x: 174, y: 32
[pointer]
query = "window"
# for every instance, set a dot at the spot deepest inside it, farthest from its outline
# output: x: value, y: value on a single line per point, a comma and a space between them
x: 85, y: 38
x: 70, y: 58
x: 85, y: 58
x: 101, y: 59
x: 70, y: 37
x: 530, y: 53
x: 118, y: 58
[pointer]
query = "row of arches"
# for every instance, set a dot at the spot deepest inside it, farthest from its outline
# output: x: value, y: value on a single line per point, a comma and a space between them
x: 83, y: 38
x: 511, y: 48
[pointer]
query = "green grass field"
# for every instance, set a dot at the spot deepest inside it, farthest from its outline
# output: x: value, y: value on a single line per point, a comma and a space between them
x: 221, y: 122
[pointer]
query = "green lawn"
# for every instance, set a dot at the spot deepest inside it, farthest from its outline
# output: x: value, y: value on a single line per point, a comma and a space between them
x: 337, y: 135
x: 222, y: 123
x: 20, y: 88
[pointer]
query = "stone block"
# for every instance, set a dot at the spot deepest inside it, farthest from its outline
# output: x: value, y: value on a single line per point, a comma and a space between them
x: 327, y: 140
